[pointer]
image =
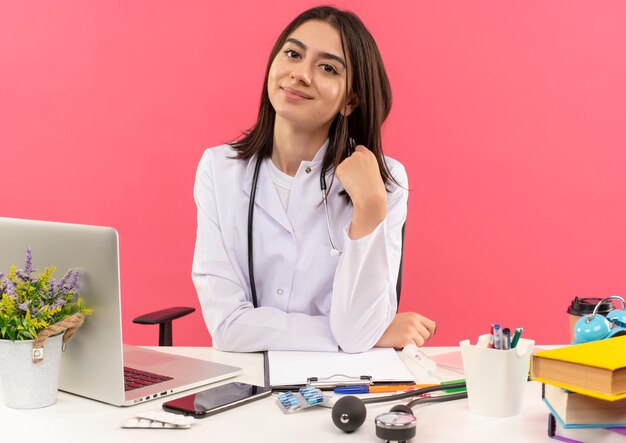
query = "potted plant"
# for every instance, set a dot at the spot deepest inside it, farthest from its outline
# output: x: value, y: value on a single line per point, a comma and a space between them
x: 38, y: 315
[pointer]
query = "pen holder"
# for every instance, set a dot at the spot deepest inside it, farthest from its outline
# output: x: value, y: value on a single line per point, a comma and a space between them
x: 496, y: 379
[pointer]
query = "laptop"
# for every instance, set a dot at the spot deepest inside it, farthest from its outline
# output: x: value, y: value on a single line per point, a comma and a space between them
x: 95, y: 360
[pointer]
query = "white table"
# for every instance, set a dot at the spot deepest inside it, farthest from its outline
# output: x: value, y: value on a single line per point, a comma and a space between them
x: 75, y: 418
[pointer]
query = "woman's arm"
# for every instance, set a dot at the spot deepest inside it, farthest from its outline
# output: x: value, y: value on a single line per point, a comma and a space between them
x: 363, y: 310
x: 234, y: 324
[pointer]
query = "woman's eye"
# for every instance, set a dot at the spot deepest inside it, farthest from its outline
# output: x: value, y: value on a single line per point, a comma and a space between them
x: 291, y: 53
x: 330, y: 69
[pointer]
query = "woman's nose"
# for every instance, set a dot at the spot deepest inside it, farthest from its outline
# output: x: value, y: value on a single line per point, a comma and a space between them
x: 302, y: 73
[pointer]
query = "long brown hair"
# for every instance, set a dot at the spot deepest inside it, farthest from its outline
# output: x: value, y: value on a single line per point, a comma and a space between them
x: 368, y: 82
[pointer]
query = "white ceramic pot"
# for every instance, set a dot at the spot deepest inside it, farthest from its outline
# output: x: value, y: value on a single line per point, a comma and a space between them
x: 25, y: 384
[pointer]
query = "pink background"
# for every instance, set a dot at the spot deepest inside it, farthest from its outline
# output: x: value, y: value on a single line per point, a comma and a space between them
x: 509, y: 116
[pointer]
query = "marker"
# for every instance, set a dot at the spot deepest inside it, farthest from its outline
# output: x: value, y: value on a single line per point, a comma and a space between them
x: 497, y: 335
x: 490, y: 345
x: 452, y: 382
x: 365, y: 389
x: 516, y: 336
x: 506, y: 339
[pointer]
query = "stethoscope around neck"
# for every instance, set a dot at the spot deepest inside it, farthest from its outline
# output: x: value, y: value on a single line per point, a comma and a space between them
x: 334, y: 250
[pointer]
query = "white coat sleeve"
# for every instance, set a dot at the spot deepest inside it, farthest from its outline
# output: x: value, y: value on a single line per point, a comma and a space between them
x: 364, y: 300
x: 233, y: 322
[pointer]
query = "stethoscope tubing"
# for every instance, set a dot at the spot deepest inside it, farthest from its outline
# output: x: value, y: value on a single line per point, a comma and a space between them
x: 255, y: 179
x: 417, y: 392
x: 334, y: 250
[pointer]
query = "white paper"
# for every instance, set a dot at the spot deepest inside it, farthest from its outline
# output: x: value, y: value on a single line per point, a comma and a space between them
x: 296, y: 367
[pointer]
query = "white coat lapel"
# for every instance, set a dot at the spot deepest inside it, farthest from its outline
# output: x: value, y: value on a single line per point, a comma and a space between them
x: 267, y: 197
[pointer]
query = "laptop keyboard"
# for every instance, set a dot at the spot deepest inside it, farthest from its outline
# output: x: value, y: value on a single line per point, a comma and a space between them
x: 134, y: 378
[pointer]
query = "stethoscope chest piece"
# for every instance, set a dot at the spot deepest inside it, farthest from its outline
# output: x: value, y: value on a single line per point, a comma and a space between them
x: 395, y: 426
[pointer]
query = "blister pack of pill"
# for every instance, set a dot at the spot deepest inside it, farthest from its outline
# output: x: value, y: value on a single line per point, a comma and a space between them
x: 307, y: 396
x: 157, y: 419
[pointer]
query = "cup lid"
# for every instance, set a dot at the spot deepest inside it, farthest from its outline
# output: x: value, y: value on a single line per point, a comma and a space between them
x: 583, y: 306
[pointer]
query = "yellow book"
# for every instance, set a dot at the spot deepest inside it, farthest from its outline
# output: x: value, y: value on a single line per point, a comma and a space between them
x: 597, y: 369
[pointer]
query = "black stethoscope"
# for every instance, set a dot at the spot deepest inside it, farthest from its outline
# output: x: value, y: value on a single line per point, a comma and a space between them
x: 399, y: 424
x: 334, y: 251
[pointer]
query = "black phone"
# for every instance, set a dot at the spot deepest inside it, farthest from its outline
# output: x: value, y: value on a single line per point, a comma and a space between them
x: 218, y: 399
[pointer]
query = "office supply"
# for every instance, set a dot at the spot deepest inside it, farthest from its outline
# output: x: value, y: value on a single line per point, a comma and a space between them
x: 516, y: 337
x: 506, y: 339
x: 288, y: 370
x: 356, y: 389
x: 497, y: 335
x: 371, y: 389
x: 597, y: 368
x: 577, y: 410
x: 94, y: 363
x: 490, y: 345
x: 558, y: 431
x: 496, y: 379
x: 454, y: 382
x: 450, y: 361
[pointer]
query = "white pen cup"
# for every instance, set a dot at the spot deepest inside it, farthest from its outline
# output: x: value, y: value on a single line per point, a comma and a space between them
x: 496, y: 379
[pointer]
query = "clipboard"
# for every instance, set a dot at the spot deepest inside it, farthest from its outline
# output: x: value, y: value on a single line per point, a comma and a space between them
x: 290, y: 370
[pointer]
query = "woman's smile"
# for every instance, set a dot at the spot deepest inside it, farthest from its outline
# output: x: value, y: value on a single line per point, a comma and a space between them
x: 294, y: 94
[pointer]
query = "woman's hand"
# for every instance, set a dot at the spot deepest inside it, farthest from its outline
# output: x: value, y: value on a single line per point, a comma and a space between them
x: 407, y: 328
x: 360, y: 176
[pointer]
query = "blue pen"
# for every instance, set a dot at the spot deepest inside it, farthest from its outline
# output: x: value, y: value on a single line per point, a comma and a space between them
x: 356, y: 389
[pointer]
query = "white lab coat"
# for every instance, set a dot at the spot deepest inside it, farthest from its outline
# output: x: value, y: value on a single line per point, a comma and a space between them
x: 308, y: 299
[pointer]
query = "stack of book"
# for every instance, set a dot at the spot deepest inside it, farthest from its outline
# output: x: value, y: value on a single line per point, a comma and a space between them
x: 584, y: 387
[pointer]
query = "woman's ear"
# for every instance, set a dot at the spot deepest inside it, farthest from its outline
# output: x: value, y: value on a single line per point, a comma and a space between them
x: 351, y: 104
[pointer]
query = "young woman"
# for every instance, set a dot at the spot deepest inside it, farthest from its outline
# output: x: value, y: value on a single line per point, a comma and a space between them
x: 277, y: 266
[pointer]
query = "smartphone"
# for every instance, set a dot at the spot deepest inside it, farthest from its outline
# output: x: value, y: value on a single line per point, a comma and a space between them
x: 218, y: 399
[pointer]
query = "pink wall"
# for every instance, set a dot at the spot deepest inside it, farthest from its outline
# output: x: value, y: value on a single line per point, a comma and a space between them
x: 509, y: 117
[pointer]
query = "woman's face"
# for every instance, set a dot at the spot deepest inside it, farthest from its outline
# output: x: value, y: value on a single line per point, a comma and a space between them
x: 307, y: 79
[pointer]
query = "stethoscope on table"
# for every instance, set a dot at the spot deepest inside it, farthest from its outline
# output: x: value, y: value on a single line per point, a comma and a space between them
x: 349, y: 412
x: 399, y: 424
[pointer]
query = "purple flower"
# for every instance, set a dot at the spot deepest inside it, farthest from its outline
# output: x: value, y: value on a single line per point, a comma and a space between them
x: 1, y: 275
x: 25, y: 274
x: 28, y: 265
x: 74, y: 283
x: 10, y: 289
x: 58, y: 303
x: 24, y: 306
x: 52, y: 288
x: 64, y: 281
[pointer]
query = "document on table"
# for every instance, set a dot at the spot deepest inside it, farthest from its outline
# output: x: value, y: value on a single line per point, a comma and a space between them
x: 296, y: 368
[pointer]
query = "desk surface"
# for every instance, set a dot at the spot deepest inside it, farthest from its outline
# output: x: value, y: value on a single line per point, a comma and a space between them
x: 74, y: 416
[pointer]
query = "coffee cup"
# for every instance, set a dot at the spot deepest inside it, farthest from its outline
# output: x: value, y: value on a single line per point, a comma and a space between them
x: 585, y: 306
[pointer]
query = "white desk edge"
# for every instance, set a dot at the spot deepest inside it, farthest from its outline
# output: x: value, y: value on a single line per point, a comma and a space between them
x: 75, y: 418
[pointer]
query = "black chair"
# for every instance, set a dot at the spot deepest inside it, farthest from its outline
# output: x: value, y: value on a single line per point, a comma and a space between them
x: 164, y: 319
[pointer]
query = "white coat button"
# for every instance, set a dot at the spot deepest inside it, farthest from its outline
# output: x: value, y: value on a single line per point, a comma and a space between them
x: 280, y: 291
x: 307, y: 170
